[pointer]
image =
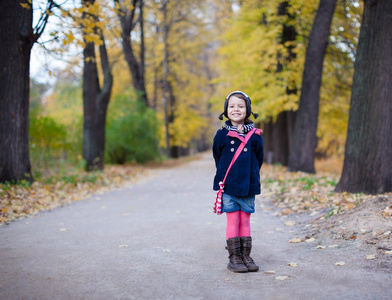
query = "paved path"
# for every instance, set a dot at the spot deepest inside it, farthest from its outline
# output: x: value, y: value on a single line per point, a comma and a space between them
x: 158, y: 239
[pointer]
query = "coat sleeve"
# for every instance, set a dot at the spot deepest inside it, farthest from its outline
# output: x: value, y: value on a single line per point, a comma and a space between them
x: 260, y: 151
x: 217, y: 149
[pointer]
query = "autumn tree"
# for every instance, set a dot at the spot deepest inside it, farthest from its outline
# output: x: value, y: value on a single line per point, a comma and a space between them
x: 177, y: 75
x: 17, y: 37
x: 130, y: 14
x: 253, y: 41
x: 338, y: 71
x: 262, y: 54
x: 305, y: 139
x: 368, y: 154
x: 283, y: 127
x: 95, y: 97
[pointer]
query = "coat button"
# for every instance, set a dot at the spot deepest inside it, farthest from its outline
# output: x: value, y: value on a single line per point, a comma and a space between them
x: 232, y: 142
x: 245, y: 149
x: 232, y: 149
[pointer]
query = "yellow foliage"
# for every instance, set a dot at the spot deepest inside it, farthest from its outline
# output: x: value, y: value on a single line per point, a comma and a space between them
x: 69, y: 37
x: 250, y: 50
x: 26, y: 5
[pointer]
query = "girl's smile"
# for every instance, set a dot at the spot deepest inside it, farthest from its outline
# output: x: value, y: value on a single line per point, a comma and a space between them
x: 236, y: 110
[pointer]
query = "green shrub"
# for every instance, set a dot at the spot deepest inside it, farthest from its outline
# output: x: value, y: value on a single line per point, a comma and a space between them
x: 131, y: 132
x: 48, y: 138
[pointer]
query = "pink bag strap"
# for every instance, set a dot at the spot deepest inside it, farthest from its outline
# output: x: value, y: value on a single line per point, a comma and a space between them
x: 238, y: 152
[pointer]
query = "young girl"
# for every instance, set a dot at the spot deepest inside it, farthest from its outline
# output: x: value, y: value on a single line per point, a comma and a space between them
x: 243, y: 180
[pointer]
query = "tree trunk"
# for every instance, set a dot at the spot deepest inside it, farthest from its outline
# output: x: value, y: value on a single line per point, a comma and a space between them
x: 165, y: 98
x: 305, y: 139
x: 281, y: 147
x: 16, y: 40
x: 278, y: 138
x: 127, y: 25
x: 95, y: 102
x: 282, y: 132
x: 268, y: 138
x: 368, y: 155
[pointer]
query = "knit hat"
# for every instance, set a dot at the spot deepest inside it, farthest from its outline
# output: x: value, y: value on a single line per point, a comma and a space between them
x: 248, y: 105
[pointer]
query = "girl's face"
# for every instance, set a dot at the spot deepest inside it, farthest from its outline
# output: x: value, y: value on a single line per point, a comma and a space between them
x: 236, y: 110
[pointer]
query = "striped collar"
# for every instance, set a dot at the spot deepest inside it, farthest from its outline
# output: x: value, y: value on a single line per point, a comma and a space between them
x: 246, y: 128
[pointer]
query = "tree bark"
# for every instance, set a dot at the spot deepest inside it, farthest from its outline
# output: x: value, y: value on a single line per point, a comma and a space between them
x: 127, y: 25
x: 165, y: 98
x: 305, y: 139
x: 368, y: 155
x: 282, y: 132
x: 95, y: 102
x: 17, y: 37
x: 268, y: 138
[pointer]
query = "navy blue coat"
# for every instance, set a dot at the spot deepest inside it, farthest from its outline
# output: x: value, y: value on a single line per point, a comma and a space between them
x: 244, y: 176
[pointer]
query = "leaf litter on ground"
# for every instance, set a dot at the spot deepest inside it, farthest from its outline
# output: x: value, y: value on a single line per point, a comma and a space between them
x: 23, y: 199
x: 356, y: 218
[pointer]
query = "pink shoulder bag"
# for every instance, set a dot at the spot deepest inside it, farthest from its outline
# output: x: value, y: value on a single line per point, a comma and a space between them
x: 218, y: 199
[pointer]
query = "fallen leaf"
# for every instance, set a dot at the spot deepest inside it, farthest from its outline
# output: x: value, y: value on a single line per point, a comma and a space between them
x: 292, y: 264
x: 320, y: 247
x: 295, y: 240
x: 287, y: 211
x: 340, y: 263
x: 281, y: 277
x: 63, y: 229
x: 289, y: 223
x: 332, y: 246
x: 370, y: 256
x: 166, y: 250
x: 123, y: 246
x: 310, y: 240
x: 388, y: 252
x: 269, y: 272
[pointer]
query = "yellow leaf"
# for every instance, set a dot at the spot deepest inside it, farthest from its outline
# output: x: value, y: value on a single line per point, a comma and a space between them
x: 292, y: 264
x: 310, y: 240
x: 25, y: 5
x: 370, y: 256
x: 289, y: 223
x: 295, y: 240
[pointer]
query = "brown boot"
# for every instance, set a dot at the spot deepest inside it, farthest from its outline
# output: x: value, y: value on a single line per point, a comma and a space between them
x: 236, y: 264
x: 246, y: 248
